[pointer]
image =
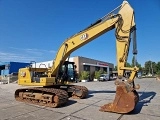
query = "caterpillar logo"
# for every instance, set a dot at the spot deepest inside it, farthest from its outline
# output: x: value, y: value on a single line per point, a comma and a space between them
x: 84, y: 36
x: 23, y: 74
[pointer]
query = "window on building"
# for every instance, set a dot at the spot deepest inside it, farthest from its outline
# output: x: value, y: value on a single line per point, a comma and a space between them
x: 110, y: 69
x: 105, y: 69
x: 86, y: 68
x: 97, y: 68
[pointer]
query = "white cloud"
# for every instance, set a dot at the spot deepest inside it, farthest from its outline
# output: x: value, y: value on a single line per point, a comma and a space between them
x: 7, y: 57
x: 34, y: 51
x: 25, y: 55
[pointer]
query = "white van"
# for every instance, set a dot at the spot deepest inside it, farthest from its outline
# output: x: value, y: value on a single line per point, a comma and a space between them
x: 104, y: 77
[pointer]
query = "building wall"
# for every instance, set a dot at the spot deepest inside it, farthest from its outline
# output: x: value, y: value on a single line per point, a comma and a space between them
x: 12, y: 67
x: 80, y: 62
x: 4, y: 72
x: 15, y: 66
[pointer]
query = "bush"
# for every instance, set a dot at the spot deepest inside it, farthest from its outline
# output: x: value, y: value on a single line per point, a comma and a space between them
x: 97, y: 74
x: 84, y: 75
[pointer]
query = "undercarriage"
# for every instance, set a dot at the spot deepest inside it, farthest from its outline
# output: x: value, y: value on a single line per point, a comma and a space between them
x: 50, y: 96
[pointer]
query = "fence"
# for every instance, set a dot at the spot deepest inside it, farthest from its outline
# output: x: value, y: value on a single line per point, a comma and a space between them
x: 8, y: 79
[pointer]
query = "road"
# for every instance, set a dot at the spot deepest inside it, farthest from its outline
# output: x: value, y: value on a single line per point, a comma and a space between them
x: 100, y: 93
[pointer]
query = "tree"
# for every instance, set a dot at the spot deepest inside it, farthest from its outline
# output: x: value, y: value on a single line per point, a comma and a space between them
x: 136, y: 64
x: 158, y: 74
x: 147, y: 67
x: 158, y: 67
x: 115, y: 68
x: 143, y: 70
x: 139, y: 66
x: 128, y: 64
x: 150, y: 67
x: 153, y: 68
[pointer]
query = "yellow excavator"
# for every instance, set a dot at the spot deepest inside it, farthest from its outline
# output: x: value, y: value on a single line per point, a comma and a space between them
x: 55, y: 81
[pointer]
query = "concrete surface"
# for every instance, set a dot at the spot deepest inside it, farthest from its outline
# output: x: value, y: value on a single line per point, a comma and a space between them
x: 100, y: 93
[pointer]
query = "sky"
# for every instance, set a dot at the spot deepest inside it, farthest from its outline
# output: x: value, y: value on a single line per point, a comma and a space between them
x: 33, y: 30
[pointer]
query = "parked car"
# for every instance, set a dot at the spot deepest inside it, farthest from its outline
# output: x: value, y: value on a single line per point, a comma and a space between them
x: 104, y: 77
x: 113, y: 77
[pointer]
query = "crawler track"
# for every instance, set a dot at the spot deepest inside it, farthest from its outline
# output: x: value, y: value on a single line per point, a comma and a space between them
x: 50, y: 96
x: 79, y: 92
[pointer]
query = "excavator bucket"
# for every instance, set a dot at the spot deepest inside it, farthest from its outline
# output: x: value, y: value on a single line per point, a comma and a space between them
x: 124, y: 102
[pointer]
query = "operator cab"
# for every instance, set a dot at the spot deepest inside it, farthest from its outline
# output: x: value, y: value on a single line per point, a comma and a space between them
x: 67, y: 72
